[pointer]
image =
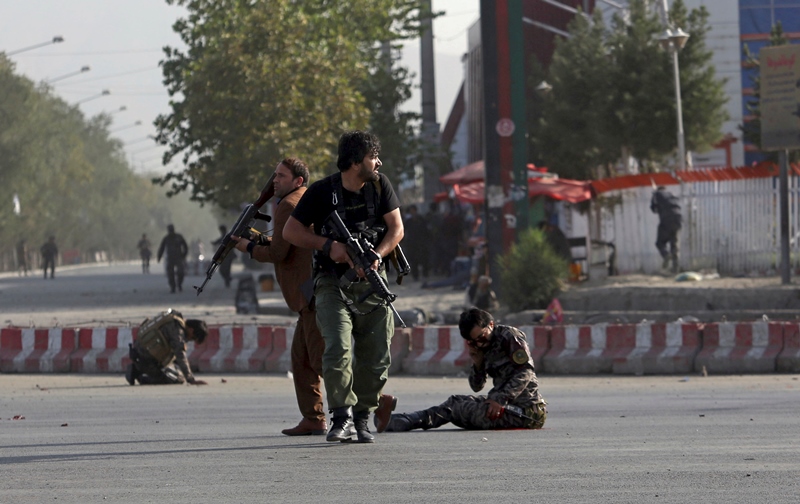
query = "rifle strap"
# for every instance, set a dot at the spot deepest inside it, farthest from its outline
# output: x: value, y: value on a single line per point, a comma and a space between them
x: 354, y: 309
x: 370, y: 193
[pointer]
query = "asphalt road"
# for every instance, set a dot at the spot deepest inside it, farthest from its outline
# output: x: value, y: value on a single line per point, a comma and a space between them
x: 608, y: 439
x: 83, y: 439
x: 119, y: 294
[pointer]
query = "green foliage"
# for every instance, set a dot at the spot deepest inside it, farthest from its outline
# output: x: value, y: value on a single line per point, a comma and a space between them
x: 573, y: 134
x: 531, y: 272
x: 267, y: 79
x: 614, y: 93
x: 72, y: 180
x: 385, y: 88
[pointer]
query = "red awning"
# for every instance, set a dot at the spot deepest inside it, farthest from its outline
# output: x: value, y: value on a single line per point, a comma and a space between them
x: 475, y: 171
x: 572, y: 191
x: 464, y: 175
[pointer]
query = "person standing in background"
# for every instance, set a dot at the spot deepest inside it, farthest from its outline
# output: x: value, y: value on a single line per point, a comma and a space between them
x: 22, y: 257
x: 670, y: 220
x: 145, y: 253
x: 49, y: 253
x: 176, y: 249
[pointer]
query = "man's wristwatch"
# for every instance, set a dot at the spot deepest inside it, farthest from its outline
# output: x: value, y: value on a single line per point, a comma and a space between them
x: 326, y: 249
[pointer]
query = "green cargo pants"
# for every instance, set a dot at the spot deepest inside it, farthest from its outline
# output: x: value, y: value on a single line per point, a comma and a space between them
x: 356, y: 361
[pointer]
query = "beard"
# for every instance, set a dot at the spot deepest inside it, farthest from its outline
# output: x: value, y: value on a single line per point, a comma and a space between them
x: 366, y: 174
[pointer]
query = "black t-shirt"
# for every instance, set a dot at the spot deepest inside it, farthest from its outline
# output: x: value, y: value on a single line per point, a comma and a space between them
x: 321, y: 199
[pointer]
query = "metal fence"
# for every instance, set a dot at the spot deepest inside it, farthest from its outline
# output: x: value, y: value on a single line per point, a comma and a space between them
x: 732, y: 227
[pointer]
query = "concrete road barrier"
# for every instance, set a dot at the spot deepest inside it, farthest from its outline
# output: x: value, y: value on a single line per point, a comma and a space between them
x: 102, y: 350
x: 538, y: 338
x: 578, y: 350
x: 32, y: 350
x: 740, y: 347
x: 649, y: 348
x: 436, y: 350
x: 788, y: 360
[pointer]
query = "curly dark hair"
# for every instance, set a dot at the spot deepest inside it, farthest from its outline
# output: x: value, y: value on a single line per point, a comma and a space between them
x: 354, y: 145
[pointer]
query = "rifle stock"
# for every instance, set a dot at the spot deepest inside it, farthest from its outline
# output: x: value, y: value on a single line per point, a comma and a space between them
x: 242, y: 227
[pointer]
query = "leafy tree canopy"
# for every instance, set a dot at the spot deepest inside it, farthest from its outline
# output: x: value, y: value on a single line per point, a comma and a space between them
x: 266, y: 79
x: 613, y: 93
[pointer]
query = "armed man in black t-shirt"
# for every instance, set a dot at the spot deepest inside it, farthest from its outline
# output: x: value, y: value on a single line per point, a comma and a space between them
x: 347, y: 310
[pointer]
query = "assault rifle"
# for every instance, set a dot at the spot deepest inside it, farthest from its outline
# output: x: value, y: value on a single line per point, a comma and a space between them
x: 242, y: 228
x: 362, y: 255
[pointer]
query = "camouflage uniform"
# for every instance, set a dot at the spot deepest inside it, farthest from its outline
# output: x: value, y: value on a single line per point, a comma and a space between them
x: 150, y: 372
x: 507, y: 360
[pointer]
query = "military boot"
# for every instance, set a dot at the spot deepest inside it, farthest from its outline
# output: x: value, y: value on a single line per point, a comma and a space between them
x: 342, y: 428
x: 402, y: 422
x: 361, y: 421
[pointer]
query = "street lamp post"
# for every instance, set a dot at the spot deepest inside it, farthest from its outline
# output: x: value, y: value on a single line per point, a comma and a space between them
x: 121, y: 109
x: 137, y: 123
x: 83, y: 69
x: 674, y: 40
x: 105, y: 92
x: 57, y: 39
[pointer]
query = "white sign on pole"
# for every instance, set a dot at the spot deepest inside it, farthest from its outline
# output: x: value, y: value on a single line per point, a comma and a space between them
x: 780, y: 97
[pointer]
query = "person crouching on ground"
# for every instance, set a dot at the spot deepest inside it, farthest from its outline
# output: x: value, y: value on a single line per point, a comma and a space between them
x: 158, y: 356
x: 514, y: 402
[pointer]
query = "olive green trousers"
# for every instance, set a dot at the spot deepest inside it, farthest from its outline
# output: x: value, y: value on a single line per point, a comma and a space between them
x: 355, y: 365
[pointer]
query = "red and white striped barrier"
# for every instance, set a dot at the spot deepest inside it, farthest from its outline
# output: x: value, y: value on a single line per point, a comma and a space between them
x: 437, y: 350
x: 654, y: 348
x: 788, y: 360
x: 399, y: 349
x: 736, y: 347
x: 230, y: 349
x: 31, y: 350
x: 538, y: 338
x: 102, y: 350
x: 578, y: 350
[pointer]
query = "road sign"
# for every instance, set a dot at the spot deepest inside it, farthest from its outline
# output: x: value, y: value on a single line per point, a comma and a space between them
x: 780, y: 97
x: 505, y: 127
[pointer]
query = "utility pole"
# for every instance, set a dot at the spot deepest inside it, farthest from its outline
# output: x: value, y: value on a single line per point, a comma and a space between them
x: 504, y: 143
x: 430, y: 128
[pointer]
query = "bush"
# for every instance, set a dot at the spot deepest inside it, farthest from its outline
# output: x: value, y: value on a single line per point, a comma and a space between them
x: 531, y: 272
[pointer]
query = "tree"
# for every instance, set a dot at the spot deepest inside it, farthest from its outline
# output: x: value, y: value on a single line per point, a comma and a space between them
x: 614, y: 97
x: 572, y: 135
x: 72, y: 179
x: 751, y: 130
x: 266, y: 79
x: 386, y: 87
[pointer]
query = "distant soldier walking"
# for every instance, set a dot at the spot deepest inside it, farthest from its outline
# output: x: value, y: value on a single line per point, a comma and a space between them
x: 49, y: 253
x: 22, y: 257
x: 145, y: 253
x: 176, y: 248
x: 666, y: 205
